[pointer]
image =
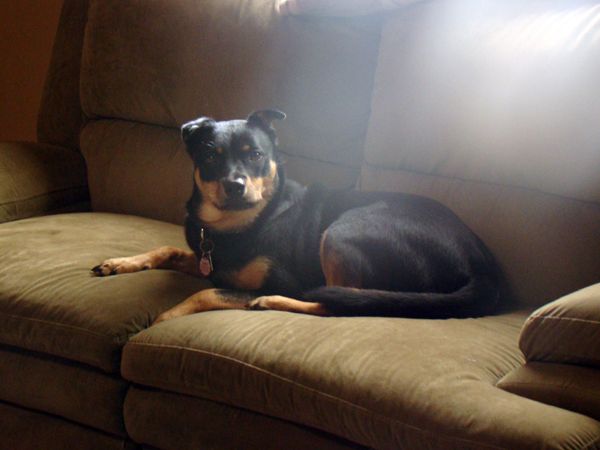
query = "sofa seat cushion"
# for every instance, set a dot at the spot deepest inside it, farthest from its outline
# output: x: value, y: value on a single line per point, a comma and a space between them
x: 379, y: 382
x: 50, y: 303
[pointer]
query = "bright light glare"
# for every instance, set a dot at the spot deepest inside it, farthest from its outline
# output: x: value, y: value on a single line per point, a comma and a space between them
x: 550, y: 31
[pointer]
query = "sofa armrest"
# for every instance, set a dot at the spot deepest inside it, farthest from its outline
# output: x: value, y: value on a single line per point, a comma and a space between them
x: 561, y: 344
x: 566, y: 330
x: 37, y: 179
x: 576, y: 388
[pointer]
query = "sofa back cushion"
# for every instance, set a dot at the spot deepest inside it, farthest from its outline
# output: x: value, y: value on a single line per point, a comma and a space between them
x: 159, y: 64
x: 490, y: 108
x: 60, y: 117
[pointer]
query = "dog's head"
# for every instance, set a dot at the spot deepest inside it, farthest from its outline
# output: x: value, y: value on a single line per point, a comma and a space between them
x: 235, y: 167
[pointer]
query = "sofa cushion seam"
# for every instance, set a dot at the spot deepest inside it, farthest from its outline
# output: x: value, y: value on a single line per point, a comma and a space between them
x: 377, y: 166
x: 77, y: 188
x: 562, y: 358
x: 591, y: 442
x: 302, y: 387
x: 534, y: 318
x: 541, y: 383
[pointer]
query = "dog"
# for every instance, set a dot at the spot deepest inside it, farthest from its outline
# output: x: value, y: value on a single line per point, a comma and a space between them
x: 268, y: 243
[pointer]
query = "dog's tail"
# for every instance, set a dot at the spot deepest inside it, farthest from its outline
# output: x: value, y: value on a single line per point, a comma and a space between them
x: 479, y: 296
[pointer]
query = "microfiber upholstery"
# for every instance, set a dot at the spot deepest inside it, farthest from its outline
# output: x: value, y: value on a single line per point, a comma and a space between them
x: 339, y: 8
x: 63, y: 388
x: 169, y: 420
x: 23, y: 429
x: 137, y: 169
x: 60, y: 116
x: 499, y: 130
x: 566, y: 330
x: 51, y: 303
x: 38, y: 179
x: 567, y: 386
x: 383, y: 383
x: 225, y: 59
x: 560, y: 342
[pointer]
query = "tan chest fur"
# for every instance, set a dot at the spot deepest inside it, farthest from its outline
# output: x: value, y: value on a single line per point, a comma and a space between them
x: 252, y: 276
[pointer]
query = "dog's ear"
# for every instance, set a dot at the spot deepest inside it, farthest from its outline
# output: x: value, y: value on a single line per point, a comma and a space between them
x: 264, y: 118
x: 196, y: 129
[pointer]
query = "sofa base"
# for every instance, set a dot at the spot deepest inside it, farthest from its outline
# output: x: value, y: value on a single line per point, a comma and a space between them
x: 23, y: 429
x: 63, y: 388
x: 169, y: 421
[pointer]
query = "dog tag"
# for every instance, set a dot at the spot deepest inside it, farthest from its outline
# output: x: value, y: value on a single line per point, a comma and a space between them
x: 206, y: 266
x: 206, y: 247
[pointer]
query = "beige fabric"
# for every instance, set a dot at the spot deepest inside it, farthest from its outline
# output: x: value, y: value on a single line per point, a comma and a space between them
x: 63, y: 389
x: 169, y: 62
x: 339, y: 8
x: 60, y: 116
x: 383, y: 383
x: 22, y: 429
x: 50, y: 303
x: 495, y: 92
x: 571, y: 387
x: 471, y: 110
x: 137, y: 169
x: 547, y: 245
x: 308, y: 171
x: 38, y: 179
x: 566, y: 330
x: 192, y: 423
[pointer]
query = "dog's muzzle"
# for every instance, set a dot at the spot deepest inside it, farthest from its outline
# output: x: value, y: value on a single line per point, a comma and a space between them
x: 234, y: 189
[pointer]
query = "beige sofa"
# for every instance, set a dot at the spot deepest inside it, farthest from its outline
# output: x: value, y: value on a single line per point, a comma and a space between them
x: 459, y: 101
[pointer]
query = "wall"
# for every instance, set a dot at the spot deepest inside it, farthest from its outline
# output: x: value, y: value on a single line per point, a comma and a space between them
x: 27, y: 29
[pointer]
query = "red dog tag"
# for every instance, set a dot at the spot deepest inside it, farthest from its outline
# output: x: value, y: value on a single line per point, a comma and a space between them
x: 206, y: 247
x: 206, y: 266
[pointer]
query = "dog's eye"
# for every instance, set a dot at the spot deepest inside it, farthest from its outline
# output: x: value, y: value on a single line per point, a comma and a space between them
x: 210, y: 156
x: 255, y: 155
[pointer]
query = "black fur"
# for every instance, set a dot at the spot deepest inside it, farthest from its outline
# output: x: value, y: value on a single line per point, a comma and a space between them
x: 412, y: 255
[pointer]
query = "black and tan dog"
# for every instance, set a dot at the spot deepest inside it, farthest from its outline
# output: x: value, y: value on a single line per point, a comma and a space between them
x: 268, y: 243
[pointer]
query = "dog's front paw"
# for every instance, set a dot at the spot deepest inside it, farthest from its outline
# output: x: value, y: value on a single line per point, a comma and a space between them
x: 256, y: 304
x: 265, y: 302
x: 116, y: 266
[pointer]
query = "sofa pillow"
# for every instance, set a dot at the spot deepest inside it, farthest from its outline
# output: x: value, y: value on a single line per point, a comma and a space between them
x: 566, y: 330
x: 570, y: 387
x: 339, y: 8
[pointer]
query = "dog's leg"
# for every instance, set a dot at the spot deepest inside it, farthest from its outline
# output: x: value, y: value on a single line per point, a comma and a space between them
x: 281, y: 303
x: 207, y: 300
x: 335, y: 275
x: 161, y: 258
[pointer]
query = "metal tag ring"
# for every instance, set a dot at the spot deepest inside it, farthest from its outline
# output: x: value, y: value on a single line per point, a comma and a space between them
x: 207, y: 246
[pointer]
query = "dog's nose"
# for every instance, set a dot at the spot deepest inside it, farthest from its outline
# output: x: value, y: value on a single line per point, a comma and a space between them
x: 235, y: 188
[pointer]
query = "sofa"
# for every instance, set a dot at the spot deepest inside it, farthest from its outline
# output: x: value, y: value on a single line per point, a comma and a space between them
x: 488, y: 107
